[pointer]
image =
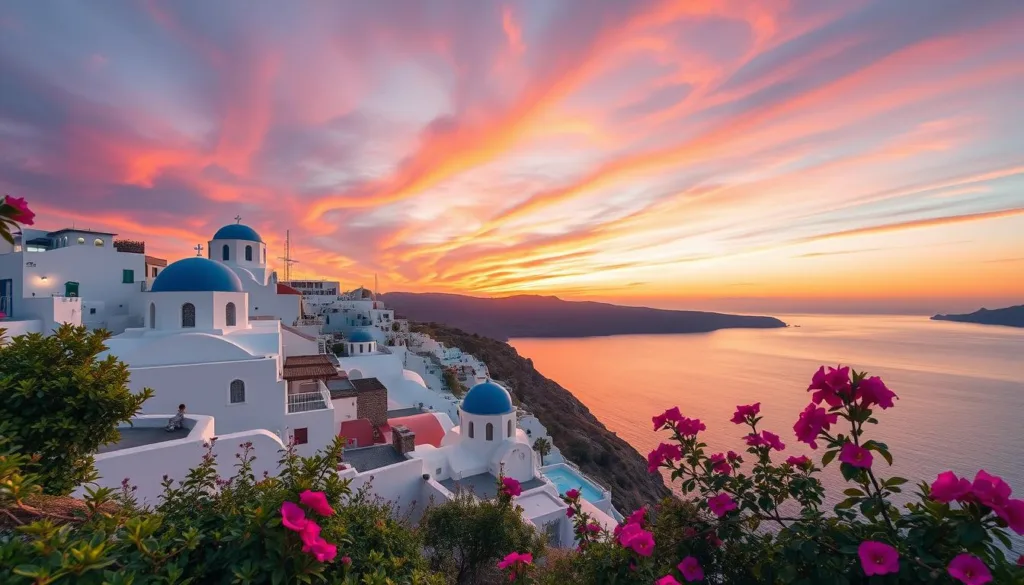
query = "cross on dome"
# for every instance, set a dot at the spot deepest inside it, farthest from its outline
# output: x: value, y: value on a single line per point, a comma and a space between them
x: 238, y: 219
x: 198, y: 249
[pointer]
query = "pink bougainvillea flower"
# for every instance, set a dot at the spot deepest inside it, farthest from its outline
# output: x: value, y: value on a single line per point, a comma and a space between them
x: 593, y: 527
x: 772, y: 440
x: 800, y: 461
x: 713, y: 539
x: 878, y: 558
x: 812, y: 421
x: 569, y: 512
x: 689, y: 427
x: 511, y: 487
x: 642, y: 542
x: 510, y: 560
x: 733, y: 457
x: 671, y: 415
x: 830, y: 387
x: 637, y: 517
x: 990, y: 490
x: 664, y: 452
x: 292, y: 517
x: 948, y: 487
x: 754, y: 440
x: 572, y: 495
x: 310, y: 535
x: 346, y: 560
x: 316, y: 501
x: 324, y: 551
x: 721, y: 504
x: 1020, y: 561
x: 667, y: 580
x: 1013, y: 513
x: 855, y: 456
x: 969, y: 569
x: 719, y: 464
x: 873, y: 391
x: 743, y: 412
x: 22, y: 214
x: 691, y: 569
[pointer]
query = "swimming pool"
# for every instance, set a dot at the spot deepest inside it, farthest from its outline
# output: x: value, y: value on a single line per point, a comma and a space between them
x: 566, y: 478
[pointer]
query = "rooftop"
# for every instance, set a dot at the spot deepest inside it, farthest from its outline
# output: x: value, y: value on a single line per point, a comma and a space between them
x: 138, y: 436
x: 80, y: 230
x: 370, y: 458
x: 484, y: 485
x: 400, y: 412
x: 306, y: 367
x: 341, y: 388
x: 368, y: 385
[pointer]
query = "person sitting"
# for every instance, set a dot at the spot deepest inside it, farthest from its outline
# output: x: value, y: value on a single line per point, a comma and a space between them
x: 176, y: 421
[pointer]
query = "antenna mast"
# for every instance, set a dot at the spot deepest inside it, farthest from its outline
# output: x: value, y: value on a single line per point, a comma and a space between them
x: 375, y: 286
x: 288, y: 260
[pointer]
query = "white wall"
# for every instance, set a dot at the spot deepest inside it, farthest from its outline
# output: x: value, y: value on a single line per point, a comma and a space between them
x: 319, y: 425
x: 204, y: 389
x: 293, y: 344
x: 401, y: 483
x: 265, y: 301
x: 344, y: 409
x: 211, y: 309
x: 236, y: 253
x: 16, y: 328
x: 52, y: 311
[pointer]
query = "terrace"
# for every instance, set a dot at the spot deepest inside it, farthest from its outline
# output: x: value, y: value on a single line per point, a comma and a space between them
x: 484, y: 485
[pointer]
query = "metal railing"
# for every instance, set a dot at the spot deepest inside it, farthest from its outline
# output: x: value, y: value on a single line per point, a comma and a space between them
x: 307, y: 401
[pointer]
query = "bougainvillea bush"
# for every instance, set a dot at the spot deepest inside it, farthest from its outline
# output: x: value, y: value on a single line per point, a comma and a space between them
x: 302, y: 526
x: 760, y: 517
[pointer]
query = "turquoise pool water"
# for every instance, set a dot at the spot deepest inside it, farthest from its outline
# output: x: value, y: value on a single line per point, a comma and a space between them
x: 565, y: 478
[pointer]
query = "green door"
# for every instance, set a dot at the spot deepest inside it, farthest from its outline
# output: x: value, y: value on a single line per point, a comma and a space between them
x: 70, y: 289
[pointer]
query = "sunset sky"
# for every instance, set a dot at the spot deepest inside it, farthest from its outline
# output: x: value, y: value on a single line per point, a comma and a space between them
x: 771, y: 155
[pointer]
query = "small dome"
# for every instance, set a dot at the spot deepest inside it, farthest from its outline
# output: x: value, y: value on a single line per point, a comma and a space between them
x: 487, y: 398
x: 196, y: 274
x: 237, y: 231
x: 360, y: 337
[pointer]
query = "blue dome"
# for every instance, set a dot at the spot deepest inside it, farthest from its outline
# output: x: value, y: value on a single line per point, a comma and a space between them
x: 487, y: 398
x: 197, y: 274
x: 237, y: 231
x: 360, y: 337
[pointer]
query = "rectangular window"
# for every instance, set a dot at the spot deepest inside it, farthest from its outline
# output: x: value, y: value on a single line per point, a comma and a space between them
x: 127, y: 276
x: 301, y: 436
x: 154, y: 271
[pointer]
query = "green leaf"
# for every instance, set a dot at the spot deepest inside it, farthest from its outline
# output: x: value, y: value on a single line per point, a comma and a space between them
x: 853, y: 492
x: 828, y: 457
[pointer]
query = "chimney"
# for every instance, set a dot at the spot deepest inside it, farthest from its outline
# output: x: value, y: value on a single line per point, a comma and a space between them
x: 403, y: 439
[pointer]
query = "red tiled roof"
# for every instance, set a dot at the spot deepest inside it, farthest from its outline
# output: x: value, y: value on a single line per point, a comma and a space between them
x: 308, y: 367
x: 426, y: 426
x: 357, y: 433
x: 284, y: 289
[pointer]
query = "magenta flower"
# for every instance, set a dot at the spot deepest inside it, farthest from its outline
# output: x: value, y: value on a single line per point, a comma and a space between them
x: 878, y: 558
x: 745, y: 412
x: 628, y: 532
x: 873, y: 391
x: 969, y: 569
x: 667, y: 580
x: 830, y: 387
x: 689, y: 427
x: 515, y: 561
x: 754, y: 440
x: 670, y: 415
x: 855, y: 456
x: 310, y: 536
x: 800, y: 461
x: 593, y: 527
x: 569, y: 512
x: 511, y: 487
x: 812, y: 421
x: 691, y: 569
x: 316, y: 501
x: 346, y: 560
x: 22, y: 214
x: 772, y: 440
x: 637, y: 517
x: 664, y: 452
x: 324, y: 551
x: 642, y: 542
x: 292, y: 517
x: 721, y: 504
x: 733, y: 457
x: 948, y: 487
x: 1013, y: 513
x: 990, y: 490
x: 713, y: 540
x: 1020, y: 561
x: 572, y: 495
x: 719, y: 464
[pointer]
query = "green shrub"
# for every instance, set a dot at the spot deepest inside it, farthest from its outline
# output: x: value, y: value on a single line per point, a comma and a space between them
x: 62, y: 403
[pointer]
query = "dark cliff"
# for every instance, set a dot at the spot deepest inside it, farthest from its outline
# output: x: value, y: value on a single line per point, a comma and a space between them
x: 540, y: 316
x: 582, y: 438
x: 1010, y: 317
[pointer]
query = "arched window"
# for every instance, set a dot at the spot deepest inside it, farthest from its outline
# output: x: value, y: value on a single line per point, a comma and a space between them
x: 470, y: 429
x: 229, y: 314
x: 509, y: 427
x: 237, y: 392
x: 225, y: 253
x: 490, y: 432
x: 248, y: 253
x: 152, y: 315
x: 188, y: 315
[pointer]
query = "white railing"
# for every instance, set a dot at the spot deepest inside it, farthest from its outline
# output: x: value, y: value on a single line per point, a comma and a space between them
x: 308, y: 321
x: 307, y: 401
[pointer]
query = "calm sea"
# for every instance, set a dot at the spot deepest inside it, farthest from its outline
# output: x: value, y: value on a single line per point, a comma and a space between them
x: 960, y: 386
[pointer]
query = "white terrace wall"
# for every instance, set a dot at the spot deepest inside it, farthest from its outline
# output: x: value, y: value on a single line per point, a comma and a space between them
x: 401, y: 484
